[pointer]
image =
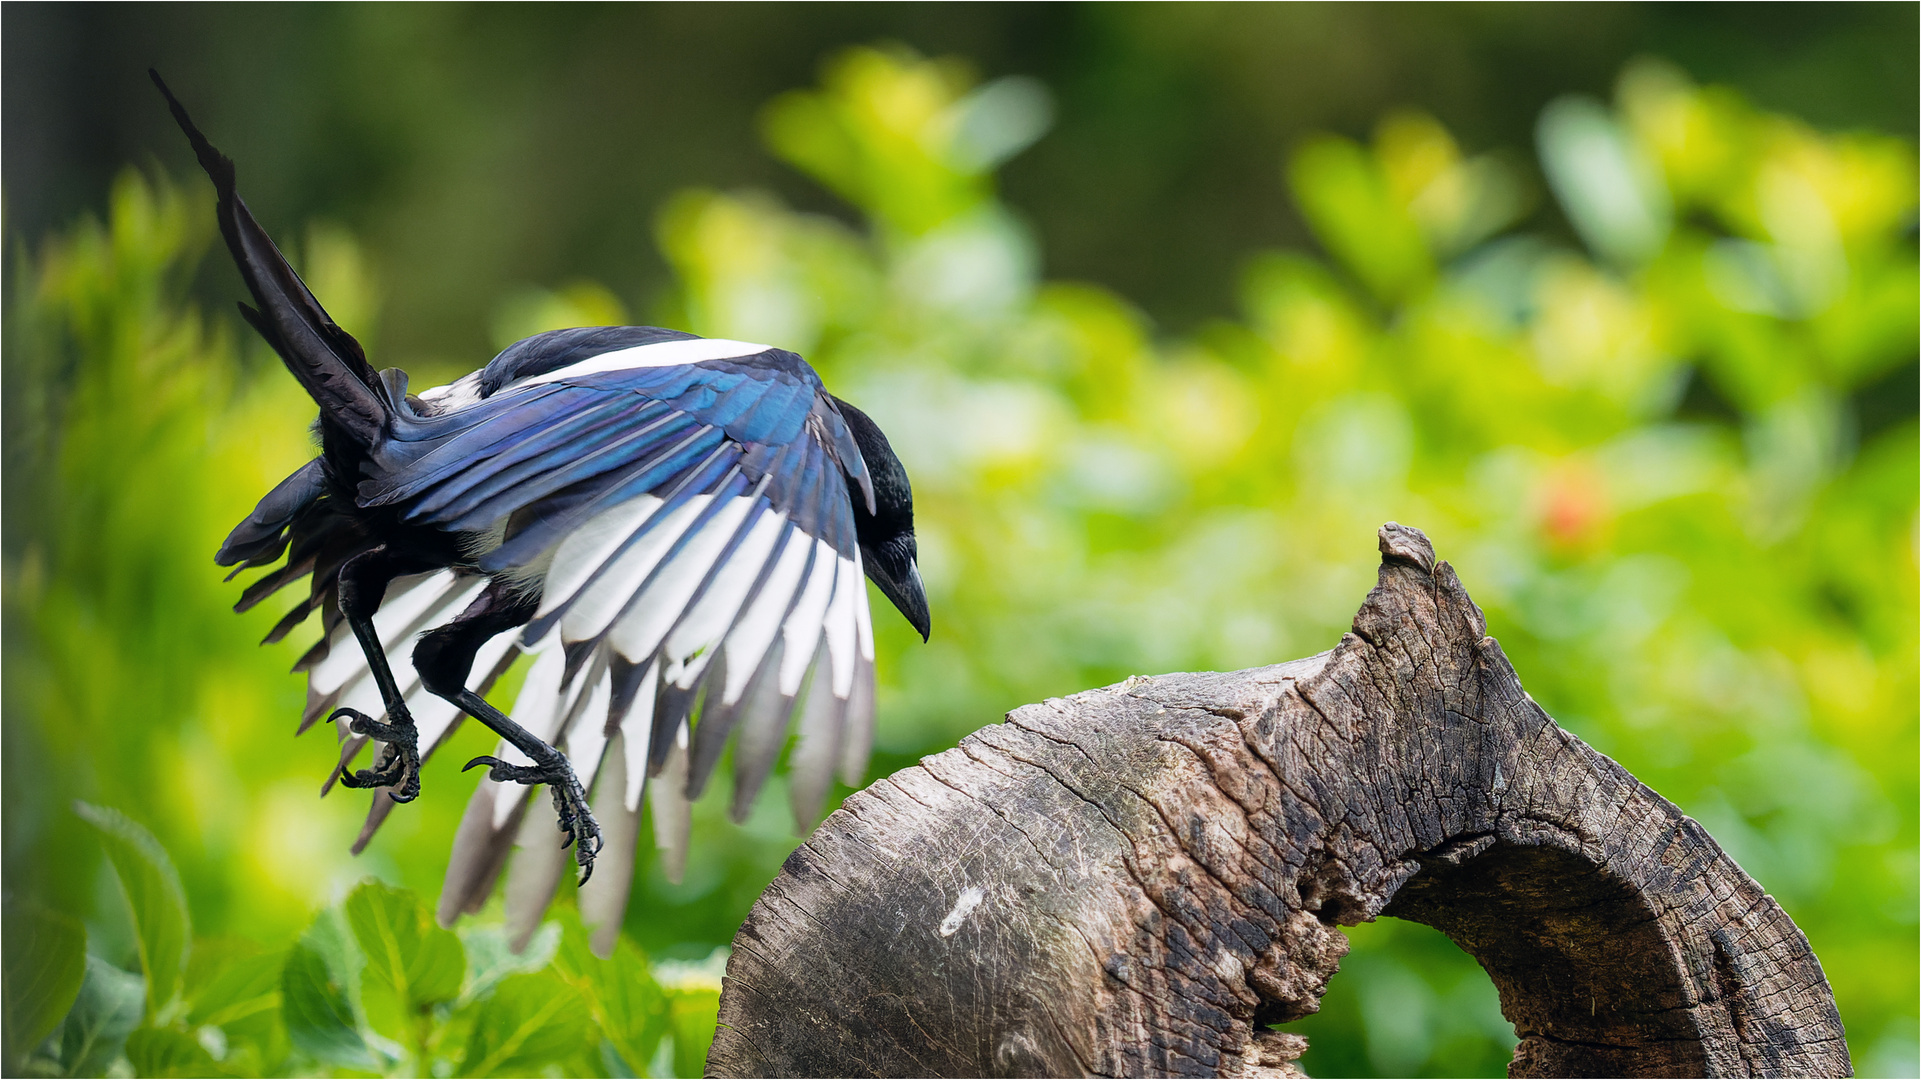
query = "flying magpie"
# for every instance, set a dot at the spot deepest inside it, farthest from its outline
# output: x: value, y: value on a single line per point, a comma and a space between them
x: 675, y: 526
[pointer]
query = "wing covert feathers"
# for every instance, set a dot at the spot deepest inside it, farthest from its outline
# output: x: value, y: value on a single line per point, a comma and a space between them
x: 696, y: 587
x: 685, y: 506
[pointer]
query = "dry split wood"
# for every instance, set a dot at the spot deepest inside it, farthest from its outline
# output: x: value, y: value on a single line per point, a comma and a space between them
x: 1135, y: 881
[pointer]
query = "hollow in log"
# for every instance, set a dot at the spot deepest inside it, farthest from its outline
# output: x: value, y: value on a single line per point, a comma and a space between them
x: 1138, y: 880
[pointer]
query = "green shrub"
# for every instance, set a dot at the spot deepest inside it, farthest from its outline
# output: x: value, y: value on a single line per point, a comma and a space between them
x: 1654, y: 399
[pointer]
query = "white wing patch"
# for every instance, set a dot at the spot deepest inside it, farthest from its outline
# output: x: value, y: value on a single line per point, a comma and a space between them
x: 593, y: 609
x: 659, y: 354
x: 636, y: 733
x: 718, y: 608
x: 582, y: 551
x: 458, y: 394
x: 840, y: 628
x: 655, y: 611
x: 754, y: 632
x: 803, y: 625
x: 411, y: 607
x: 673, y: 628
x: 720, y: 585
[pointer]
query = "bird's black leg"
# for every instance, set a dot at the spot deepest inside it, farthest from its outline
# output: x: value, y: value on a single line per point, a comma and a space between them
x: 445, y: 659
x: 362, y: 584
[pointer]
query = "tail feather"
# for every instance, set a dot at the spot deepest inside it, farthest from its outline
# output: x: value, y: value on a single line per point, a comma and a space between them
x: 326, y: 359
x: 480, y: 850
x: 261, y: 538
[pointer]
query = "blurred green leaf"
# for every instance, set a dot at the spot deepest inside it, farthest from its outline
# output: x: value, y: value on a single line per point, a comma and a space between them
x: 1348, y: 202
x: 242, y: 982
x: 406, y: 953
x: 491, y: 958
x: 626, y: 1002
x: 46, y: 961
x: 155, y: 900
x: 107, y: 1009
x: 169, y: 1052
x: 1612, y: 193
x: 317, y: 988
x: 236, y: 987
x: 693, y: 1014
x: 1682, y: 485
x: 693, y: 1007
x: 998, y: 120
x: 890, y: 133
x: 528, y: 1022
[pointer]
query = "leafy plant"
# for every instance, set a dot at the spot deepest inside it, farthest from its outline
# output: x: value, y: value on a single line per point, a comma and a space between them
x: 1674, y: 451
x: 1649, y: 383
x: 371, y: 986
x: 45, y: 967
x: 151, y: 888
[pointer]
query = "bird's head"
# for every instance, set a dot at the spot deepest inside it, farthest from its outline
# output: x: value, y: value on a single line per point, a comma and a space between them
x: 886, y: 536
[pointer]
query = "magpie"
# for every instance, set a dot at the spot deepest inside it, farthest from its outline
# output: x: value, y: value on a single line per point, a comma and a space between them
x: 676, y: 527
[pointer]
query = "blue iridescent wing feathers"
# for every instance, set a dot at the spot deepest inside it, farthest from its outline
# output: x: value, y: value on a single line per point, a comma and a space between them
x: 677, y: 528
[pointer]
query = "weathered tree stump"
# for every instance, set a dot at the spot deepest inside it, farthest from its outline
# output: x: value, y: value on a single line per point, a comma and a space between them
x: 1133, y: 881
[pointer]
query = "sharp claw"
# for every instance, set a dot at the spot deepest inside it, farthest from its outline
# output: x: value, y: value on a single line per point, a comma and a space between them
x: 396, y: 768
x: 573, y: 817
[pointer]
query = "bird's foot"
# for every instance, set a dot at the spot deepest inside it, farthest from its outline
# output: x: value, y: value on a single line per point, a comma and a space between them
x: 570, y: 802
x: 398, y: 766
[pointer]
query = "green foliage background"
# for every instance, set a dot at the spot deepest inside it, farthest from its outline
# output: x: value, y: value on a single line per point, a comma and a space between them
x: 1648, y: 382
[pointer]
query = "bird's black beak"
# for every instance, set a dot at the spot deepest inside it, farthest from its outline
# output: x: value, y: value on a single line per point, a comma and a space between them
x: 893, y: 569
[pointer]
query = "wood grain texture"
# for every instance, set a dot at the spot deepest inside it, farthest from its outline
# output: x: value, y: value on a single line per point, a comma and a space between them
x: 1134, y: 881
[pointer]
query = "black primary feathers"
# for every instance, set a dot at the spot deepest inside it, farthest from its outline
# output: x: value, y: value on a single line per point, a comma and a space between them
x: 675, y: 527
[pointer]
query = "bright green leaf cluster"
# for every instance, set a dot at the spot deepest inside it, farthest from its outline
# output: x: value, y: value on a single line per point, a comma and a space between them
x: 372, y: 986
x: 46, y: 964
x: 151, y: 888
x: 412, y: 965
x: 626, y: 1002
x: 1672, y: 451
x: 1675, y: 459
x: 905, y: 139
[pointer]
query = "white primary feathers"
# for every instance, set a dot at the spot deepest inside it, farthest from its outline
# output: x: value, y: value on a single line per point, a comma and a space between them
x: 720, y: 597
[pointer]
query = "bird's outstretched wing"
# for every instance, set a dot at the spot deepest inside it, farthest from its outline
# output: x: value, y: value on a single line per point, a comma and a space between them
x: 684, y: 506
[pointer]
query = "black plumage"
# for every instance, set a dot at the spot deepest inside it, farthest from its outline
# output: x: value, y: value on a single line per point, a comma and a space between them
x: 676, y: 527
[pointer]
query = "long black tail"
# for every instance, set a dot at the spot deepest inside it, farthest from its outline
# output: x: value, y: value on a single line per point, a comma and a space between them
x: 325, y: 358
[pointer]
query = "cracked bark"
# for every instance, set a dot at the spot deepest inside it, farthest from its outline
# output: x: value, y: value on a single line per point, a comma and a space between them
x: 1136, y: 880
